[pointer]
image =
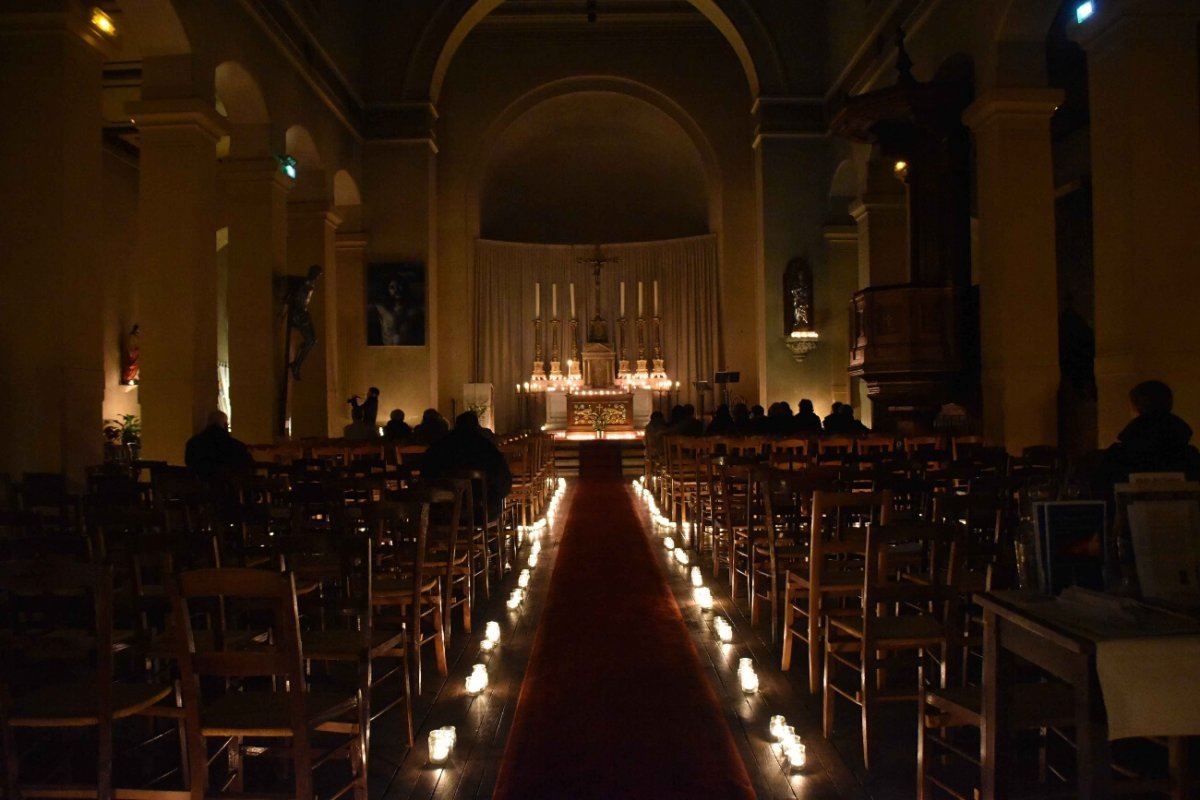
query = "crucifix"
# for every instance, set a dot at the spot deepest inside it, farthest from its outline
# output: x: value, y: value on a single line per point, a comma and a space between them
x: 597, y: 261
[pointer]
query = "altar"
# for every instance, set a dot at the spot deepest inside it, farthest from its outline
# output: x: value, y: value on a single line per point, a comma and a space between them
x: 601, y: 388
x: 614, y: 409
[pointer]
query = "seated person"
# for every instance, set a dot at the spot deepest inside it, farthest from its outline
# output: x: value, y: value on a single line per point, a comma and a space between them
x: 214, y: 455
x: 358, y: 430
x: 467, y: 448
x: 397, y: 429
x: 806, y: 420
x: 1154, y: 441
x: 433, y: 426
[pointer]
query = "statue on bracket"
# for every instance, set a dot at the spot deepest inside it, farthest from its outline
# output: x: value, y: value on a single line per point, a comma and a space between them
x: 131, y: 368
x: 798, y: 297
x: 299, y: 295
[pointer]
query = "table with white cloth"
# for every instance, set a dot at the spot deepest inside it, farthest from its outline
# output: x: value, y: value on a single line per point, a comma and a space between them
x: 1133, y: 668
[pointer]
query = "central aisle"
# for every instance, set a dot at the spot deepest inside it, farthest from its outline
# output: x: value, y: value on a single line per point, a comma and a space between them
x: 614, y: 703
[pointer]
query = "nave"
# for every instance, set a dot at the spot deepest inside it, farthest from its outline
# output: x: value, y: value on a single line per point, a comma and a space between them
x: 612, y: 633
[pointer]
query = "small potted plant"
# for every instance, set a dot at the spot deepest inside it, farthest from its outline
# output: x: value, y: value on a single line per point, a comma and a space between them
x: 122, y: 438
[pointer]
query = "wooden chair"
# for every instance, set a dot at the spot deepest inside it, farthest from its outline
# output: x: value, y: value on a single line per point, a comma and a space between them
x: 791, y: 452
x: 345, y: 629
x: 448, y: 552
x: 787, y: 507
x: 57, y: 674
x: 836, y: 537
x: 262, y: 694
x: 896, y: 617
x: 835, y: 450
x: 742, y: 523
x: 486, y: 532
x: 404, y: 595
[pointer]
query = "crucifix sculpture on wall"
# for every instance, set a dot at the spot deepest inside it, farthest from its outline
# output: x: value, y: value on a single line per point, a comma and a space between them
x: 598, y: 329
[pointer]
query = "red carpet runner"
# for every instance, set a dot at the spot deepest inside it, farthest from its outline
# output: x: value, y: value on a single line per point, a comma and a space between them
x: 614, y: 704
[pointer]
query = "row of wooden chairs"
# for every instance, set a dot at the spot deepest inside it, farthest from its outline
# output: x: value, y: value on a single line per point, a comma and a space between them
x: 369, y: 586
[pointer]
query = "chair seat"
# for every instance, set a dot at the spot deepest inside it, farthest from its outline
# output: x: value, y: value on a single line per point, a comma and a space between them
x: 389, y: 588
x: 346, y: 645
x: 1032, y: 705
x: 269, y: 713
x: 164, y: 645
x: 831, y: 579
x: 74, y: 704
x: 914, y: 629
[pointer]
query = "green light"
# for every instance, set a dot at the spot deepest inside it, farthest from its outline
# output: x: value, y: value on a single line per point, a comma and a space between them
x: 289, y: 166
x: 1083, y: 11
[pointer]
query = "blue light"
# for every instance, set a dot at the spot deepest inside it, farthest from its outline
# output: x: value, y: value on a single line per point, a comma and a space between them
x: 1084, y: 10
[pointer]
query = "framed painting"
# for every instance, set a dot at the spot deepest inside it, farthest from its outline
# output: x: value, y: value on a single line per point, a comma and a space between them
x: 395, y: 304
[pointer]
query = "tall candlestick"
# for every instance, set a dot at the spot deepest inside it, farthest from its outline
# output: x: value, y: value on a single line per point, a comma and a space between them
x: 656, y: 298
x: 554, y: 301
x: 622, y: 298
x: 639, y: 299
x: 537, y: 299
x: 572, y: 300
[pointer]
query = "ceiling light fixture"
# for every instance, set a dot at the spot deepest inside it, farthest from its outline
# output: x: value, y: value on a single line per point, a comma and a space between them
x: 103, y: 23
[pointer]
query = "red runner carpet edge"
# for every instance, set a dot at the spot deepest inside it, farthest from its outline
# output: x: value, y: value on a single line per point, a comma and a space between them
x: 614, y: 703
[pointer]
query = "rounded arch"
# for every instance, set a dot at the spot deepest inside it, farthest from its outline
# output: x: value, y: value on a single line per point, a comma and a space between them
x: 156, y: 27
x: 302, y: 147
x: 556, y: 89
x: 238, y: 93
x: 454, y: 20
x: 345, y: 189
x: 845, y: 179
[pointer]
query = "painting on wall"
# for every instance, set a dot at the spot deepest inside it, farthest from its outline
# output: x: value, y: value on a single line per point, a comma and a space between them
x: 395, y: 305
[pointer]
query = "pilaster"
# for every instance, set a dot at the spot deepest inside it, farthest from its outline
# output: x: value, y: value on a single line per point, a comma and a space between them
x: 256, y: 202
x: 176, y: 284
x: 51, y: 280
x: 1145, y: 110
x: 1017, y: 264
x: 841, y: 249
x: 310, y: 240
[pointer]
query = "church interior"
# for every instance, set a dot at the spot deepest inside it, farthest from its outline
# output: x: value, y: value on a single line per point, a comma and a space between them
x: 596, y: 252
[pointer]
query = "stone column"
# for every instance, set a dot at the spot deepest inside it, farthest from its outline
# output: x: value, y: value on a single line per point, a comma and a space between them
x: 256, y: 203
x: 52, y: 377
x: 51, y: 280
x: 841, y: 252
x: 400, y: 209
x: 1017, y: 265
x: 881, y: 215
x: 310, y: 240
x: 1145, y: 111
x: 789, y: 145
x: 176, y: 284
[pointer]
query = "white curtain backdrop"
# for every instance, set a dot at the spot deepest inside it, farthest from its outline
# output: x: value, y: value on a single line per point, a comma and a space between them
x: 503, y: 307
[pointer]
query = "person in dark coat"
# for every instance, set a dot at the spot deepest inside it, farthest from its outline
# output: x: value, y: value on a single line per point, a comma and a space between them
x: 397, y: 429
x: 214, y: 455
x: 721, y: 423
x: 368, y: 407
x: 1154, y: 441
x: 433, y: 426
x: 806, y: 420
x: 464, y: 448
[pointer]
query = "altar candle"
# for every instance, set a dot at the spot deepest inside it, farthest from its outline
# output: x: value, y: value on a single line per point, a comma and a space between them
x: 554, y: 301
x: 656, y: 298
x: 639, y: 299
x: 572, y: 300
x: 622, y: 299
x: 537, y: 300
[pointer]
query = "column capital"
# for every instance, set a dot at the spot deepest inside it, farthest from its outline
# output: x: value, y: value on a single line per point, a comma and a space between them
x: 1031, y: 104
x: 314, y: 210
x: 403, y: 123
x: 351, y: 240
x: 779, y: 117
x: 866, y: 203
x: 178, y: 114
x: 252, y: 171
x: 840, y: 234
x: 43, y: 17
